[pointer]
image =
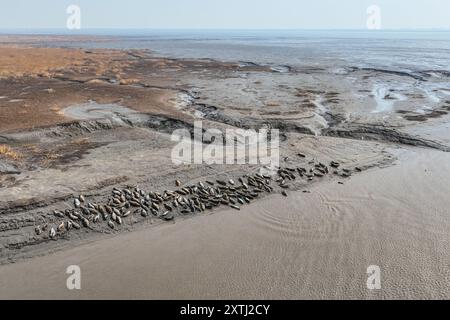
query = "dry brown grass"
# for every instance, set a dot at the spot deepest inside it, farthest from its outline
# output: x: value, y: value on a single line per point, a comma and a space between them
x: 80, y: 141
x: 7, y: 151
x: 50, y: 156
x: 31, y: 148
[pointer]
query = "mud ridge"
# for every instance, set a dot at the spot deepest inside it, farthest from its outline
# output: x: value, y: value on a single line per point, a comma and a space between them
x: 443, y: 73
x: 212, y: 113
x: 367, y: 132
x: 72, y: 129
x: 24, y: 232
x: 20, y: 206
x: 393, y: 72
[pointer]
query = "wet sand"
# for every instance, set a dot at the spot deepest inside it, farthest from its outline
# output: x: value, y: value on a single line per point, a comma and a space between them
x: 315, y: 245
x: 91, y: 120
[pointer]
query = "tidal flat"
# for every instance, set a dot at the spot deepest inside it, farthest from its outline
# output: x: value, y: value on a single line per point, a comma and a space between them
x: 362, y: 177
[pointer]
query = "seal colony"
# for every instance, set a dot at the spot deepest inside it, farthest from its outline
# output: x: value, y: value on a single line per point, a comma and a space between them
x: 185, y: 200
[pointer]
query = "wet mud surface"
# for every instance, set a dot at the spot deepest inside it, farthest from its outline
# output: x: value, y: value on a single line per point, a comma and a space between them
x: 87, y: 129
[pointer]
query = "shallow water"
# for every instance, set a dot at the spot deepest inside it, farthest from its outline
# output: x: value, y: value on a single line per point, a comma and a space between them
x: 401, y: 50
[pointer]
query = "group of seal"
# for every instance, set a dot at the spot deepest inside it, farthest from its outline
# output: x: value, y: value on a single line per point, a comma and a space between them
x: 184, y: 200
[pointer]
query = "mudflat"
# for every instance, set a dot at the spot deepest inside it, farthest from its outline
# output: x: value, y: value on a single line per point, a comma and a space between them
x: 364, y: 180
x: 315, y: 245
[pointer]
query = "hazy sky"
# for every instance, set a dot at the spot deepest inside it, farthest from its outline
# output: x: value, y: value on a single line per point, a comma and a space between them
x: 234, y: 14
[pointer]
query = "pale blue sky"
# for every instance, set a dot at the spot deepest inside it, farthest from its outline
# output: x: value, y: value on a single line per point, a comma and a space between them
x: 227, y: 14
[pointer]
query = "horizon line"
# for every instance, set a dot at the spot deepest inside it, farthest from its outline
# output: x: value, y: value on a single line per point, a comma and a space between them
x: 228, y: 29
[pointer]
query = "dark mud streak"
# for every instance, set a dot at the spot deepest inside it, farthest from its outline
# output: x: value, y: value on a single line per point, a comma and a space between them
x: 76, y: 128
x: 393, y: 72
x: 114, y: 82
x: 382, y: 134
x: 4, y: 139
x: 333, y: 119
x: 421, y: 117
x: 212, y: 113
x: 10, y: 207
x: 444, y: 73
